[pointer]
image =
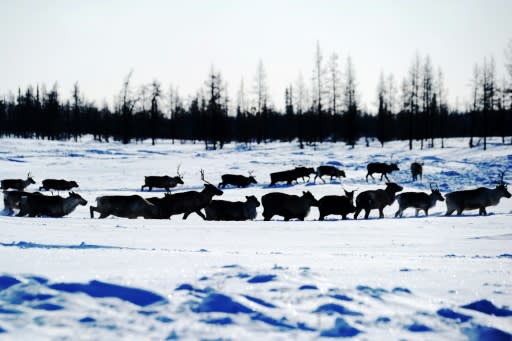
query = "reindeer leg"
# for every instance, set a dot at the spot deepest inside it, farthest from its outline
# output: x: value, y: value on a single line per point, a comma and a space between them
x: 417, y: 212
x: 381, y: 212
x: 426, y: 212
x: 398, y: 213
x: 91, y: 210
x: 366, y: 213
x: 356, y: 213
x: 199, y: 213
x: 385, y: 175
x: 449, y: 212
x: 185, y: 216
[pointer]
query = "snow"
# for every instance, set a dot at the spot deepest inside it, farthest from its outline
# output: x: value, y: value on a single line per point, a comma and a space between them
x: 412, y: 278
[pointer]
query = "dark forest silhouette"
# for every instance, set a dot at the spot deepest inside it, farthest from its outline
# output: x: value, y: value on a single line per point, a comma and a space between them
x: 328, y: 111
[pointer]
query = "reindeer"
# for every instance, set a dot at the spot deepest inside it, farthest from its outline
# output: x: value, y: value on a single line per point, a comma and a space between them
x: 237, y: 180
x: 12, y: 200
x: 288, y: 175
x: 124, y: 206
x: 478, y: 198
x: 417, y: 169
x: 187, y: 202
x: 288, y: 206
x: 420, y: 201
x: 229, y: 210
x: 58, y: 185
x: 378, y: 199
x: 336, y: 204
x: 165, y: 181
x: 382, y: 168
x: 333, y: 172
x: 17, y: 184
x: 302, y: 172
x: 50, y: 206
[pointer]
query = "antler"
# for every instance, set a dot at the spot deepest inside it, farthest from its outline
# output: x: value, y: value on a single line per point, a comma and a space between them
x: 251, y: 172
x: 202, y: 177
x: 29, y: 174
x: 432, y: 188
x: 178, y: 172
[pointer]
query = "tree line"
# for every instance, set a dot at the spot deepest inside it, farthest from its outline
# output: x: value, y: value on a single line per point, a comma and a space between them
x: 327, y: 110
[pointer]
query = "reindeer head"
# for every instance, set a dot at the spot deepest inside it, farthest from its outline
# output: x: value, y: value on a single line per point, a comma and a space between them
x: 209, y: 187
x: 502, y: 186
x: 81, y: 200
x: 252, y: 180
x: 179, y: 177
x: 30, y: 178
x: 436, y: 193
x: 307, y: 195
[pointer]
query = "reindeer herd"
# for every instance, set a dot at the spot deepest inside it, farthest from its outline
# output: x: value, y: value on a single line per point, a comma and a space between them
x: 36, y: 204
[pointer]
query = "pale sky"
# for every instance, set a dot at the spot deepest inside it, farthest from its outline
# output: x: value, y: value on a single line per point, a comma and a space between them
x: 97, y: 42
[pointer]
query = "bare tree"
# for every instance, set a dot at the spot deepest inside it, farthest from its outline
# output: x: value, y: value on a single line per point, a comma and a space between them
x: 260, y: 88
x: 334, y: 79
x: 127, y: 103
x: 475, y: 96
x: 489, y: 94
x: 156, y: 92
x: 350, y: 103
x: 441, y: 103
x: 427, y: 93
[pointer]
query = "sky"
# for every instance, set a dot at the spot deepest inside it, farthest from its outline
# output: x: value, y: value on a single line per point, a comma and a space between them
x: 98, y: 42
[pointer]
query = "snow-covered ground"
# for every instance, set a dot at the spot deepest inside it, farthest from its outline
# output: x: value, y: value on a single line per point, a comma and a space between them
x: 413, y: 278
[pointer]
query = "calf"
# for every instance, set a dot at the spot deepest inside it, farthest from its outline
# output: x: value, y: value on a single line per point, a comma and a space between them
x: 377, y: 199
x: 187, y: 202
x: 12, y: 200
x: 237, y: 180
x: 473, y: 199
x: 165, y: 181
x: 50, y: 206
x: 336, y: 204
x: 58, y: 185
x: 229, y: 210
x: 333, y: 172
x: 17, y: 184
x: 382, y: 168
x: 287, y: 206
x: 420, y: 201
x: 124, y: 206
x: 417, y: 169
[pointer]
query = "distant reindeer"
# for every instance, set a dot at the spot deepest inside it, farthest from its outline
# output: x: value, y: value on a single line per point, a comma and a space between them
x: 287, y: 176
x: 237, y: 180
x: 187, y: 202
x: 291, y: 175
x: 333, y: 172
x: 302, y: 172
x: 165, y: 181
x: 336, y: 204
x: 377, y: 199
x: 417, y: 170
x: 124, y: 206
x: 420, y: 201
x: 49, y: 206
x: 382, y: 168
x: 478, y: 198
x: 12, y: 199
x: 287, y: 206
x: 232, y: 210
x: 17, y: 184
x: 58, y: 185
